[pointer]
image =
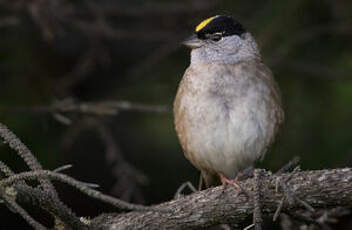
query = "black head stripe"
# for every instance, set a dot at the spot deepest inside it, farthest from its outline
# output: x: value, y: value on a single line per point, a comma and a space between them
x: 225, y: 25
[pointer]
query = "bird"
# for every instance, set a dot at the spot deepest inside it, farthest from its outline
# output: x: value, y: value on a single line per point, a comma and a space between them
x: 227, y: 109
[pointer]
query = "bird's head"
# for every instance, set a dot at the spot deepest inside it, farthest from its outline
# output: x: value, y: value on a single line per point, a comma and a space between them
x: 221, y: 38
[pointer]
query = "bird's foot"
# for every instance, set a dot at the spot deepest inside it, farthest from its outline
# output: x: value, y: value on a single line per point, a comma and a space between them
x: 225, y: 181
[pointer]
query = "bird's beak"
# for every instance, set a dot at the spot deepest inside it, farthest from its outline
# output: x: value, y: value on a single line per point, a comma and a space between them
x: 193, y: 42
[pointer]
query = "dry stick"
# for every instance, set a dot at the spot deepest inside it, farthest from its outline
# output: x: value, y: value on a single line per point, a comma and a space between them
x: 16, y: 144
x: 39, y: 198
x: 130, y: 177
x: 204, y: 209
x: 19, y: 210
x: 289, y: 196
x: 257, y: 213
x: 81, y: 186
x: 52, y: 205
x: 106, y: 108
x: 44, y: 198
x: 249, y: 227
x: 179, y: 191
x: 12, y: 203
x: 305, y: 204
x: 287, y: 192
x: 279, y: 208
x: 64, y: 213
x: 292, y: 164
x: 5, y: 169
x: 62, y: 168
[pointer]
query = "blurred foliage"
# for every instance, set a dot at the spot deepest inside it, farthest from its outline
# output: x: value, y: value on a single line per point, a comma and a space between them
x: 129, y: 50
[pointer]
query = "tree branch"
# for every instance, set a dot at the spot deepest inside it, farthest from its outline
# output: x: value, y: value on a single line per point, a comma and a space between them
x: 103, y: 108
x: 320, y: 189
x: 81, y: 186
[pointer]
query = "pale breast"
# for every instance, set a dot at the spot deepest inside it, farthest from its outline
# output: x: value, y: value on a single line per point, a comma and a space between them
x: 226, y: 115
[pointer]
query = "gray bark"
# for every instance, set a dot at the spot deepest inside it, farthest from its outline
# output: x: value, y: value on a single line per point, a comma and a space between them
x: 319, y: 189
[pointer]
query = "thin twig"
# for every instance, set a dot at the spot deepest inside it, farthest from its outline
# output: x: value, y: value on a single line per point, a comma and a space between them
x: 45, y: 200
x: 21, y: 149
x: 257, y: 212
x: 249, y: 227
x: 65, y: 213
x: 80, y: 186
x: 12, y: 203
x: 305, y: 204
x: 289, y: 196
x: 128, y: 177
x: 105, y: 108
x: 278, y: 209
x: 179, y: 191
x: 23, y: 213
x: 5, y: 169
x: 62, y: 168
x: 289, y: 166
x: 55, y: 206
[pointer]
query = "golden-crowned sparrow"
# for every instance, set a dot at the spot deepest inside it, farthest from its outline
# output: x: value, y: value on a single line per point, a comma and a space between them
x: 227, y: 109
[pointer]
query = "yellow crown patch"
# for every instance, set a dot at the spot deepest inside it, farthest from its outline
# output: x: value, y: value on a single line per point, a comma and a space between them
x: 204, y: 23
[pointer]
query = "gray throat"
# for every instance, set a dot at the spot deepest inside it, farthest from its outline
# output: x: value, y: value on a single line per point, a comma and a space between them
x: 240, y: 49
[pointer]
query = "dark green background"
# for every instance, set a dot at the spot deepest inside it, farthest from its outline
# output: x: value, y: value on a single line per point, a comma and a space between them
x: 306, y: 43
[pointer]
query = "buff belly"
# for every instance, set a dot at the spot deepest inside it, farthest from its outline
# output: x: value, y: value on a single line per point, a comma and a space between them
x: 226, y: 120
x: 227, y: 138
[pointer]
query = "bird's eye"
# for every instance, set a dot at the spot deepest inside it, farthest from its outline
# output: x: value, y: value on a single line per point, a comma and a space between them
x: 216, y: 37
